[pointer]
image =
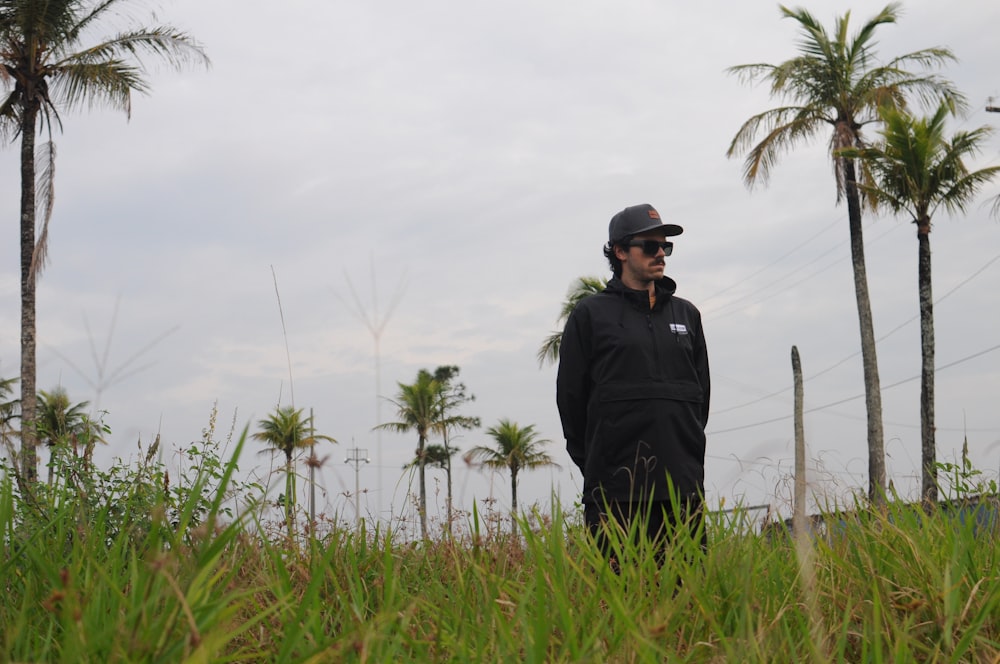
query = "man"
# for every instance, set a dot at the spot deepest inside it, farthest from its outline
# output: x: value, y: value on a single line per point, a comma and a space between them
x: 633, y: 390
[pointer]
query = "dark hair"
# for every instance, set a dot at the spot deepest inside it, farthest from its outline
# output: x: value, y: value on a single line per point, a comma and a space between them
x: 613, y: 260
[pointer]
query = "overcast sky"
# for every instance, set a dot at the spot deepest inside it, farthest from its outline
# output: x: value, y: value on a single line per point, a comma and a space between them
x: 462, y: 159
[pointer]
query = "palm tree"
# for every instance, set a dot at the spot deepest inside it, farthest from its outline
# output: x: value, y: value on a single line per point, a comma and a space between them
x: 916, y: 171
x: 286, y: 430
x: 8, y: 413
x: 428, y: 407
x: 836, y: 84
x: 45, y: 66
x: 418, y: 409
x: 436, y: 456
x: 581, y: 288
x: 62, y: 425
x: 516, y: 449
x: 453, y: 395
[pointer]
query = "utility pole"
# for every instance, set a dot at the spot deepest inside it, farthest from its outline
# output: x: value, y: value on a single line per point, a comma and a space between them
x: 312, y: 475
x: 799, y: 503
x: 357, y: 456
x: 376, y: 326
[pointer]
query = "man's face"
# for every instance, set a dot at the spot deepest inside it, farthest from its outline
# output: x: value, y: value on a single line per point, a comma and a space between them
x: 638, y: 267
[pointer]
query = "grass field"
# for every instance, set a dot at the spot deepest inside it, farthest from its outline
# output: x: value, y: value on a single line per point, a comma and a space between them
x: 129, y: 565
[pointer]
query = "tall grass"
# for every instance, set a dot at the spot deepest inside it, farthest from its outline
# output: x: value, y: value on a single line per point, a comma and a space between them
x: 149, y: 573
x: 101, y: 569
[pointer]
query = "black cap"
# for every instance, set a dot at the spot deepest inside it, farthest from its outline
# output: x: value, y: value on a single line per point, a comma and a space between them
x: 639, y: 219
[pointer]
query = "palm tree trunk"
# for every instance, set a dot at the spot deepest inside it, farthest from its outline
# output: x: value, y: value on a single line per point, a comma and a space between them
x: 928, y: 451
x: 289, y: 493
x: 513, y: 501
x: 29, y: 438
x: 447, y: 469
x: 450, y: 508
x: 873, y: 391
x: 423, y: 488
x: 52, y: 464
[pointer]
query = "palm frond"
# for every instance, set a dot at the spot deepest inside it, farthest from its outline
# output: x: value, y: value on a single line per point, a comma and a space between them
x: 834, y: 81
x: 514, y: 447
x: 287, y: 429
x: 784, y: 128
x: 45, y: 200
x: 995, y: 207
x: 59, y: 419
x: 581, y: 288
x: 106, y: 84
x: 167, y: 44
x: 916, y: 168
x: 395, y: 427
x: 549, y: 350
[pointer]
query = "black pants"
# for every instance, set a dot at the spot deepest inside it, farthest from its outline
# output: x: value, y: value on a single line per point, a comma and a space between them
x: 659, y: 522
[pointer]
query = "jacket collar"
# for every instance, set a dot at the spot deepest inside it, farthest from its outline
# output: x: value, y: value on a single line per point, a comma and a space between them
x: 665, y: 288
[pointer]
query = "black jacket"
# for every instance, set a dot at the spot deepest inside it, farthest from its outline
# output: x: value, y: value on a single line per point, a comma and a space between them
x: 633, y: 391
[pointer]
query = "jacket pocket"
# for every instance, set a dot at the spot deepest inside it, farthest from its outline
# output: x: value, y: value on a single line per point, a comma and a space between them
x: 674, y: 390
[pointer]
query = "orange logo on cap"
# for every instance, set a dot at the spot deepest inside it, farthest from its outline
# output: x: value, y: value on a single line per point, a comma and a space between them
x: 653, y: 214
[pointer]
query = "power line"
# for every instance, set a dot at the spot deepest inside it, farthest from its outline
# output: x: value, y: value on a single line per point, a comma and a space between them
x: 741, y: 303
x: 857, y: 396
x: 770, y: 465
x: 877, y: 341
x: 777, y: 260
x: 738, y: 305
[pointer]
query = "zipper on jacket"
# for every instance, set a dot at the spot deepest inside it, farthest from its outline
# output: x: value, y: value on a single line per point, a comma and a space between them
x: 657, y: 360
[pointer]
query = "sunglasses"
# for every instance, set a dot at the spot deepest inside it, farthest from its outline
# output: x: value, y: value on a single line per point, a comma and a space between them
x: 650, y: 247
